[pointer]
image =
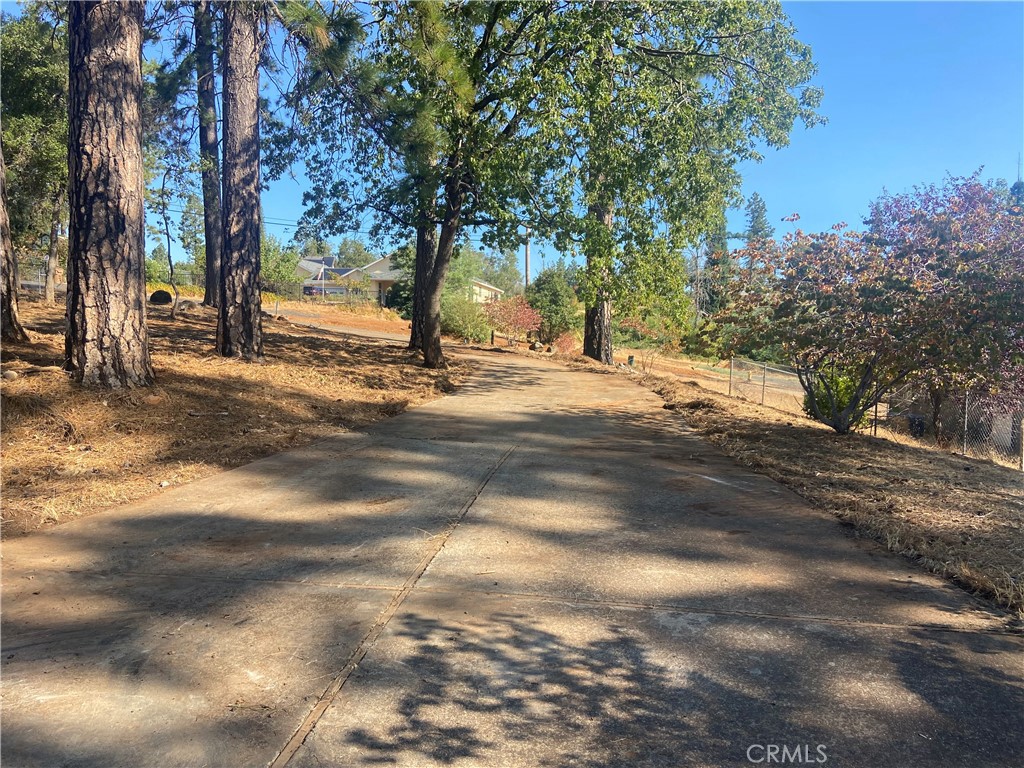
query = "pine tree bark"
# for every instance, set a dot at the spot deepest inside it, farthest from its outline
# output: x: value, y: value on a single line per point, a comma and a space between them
x: 50, y: 288
x: 106, y: 342
x: 426, y: 252
x: 11, y: 328
x: 239, y: 321
x: 597, y: 329
x: 206, y: 86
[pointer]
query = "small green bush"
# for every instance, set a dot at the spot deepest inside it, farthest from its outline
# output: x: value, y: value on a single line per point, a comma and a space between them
x: 464, y: 319
x: 843, y: 386
x: 157, y: 271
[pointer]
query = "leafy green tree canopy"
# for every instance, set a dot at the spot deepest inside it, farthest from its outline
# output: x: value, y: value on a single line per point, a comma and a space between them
x: 352, y: 253
x: 278, y: 263
x: 553, y: 296
x: 35, y: 116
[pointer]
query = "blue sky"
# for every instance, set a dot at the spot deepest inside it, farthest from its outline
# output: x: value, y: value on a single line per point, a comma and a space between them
x: 913, y: 91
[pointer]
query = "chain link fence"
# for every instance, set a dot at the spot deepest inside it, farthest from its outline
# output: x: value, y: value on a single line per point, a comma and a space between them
x: 773, y: 385
x: 966, y: 423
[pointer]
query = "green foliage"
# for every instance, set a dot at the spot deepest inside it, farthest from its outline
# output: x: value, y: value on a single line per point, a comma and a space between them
x: 400, y: 297
x: 467, y: 265
x: 314, y: 249
x: 502, y: 271
x: 157, y: 271
x: 832, y: 393
x: 352, y: 253
x: 653, y: 133
x: 758, y: 227
x: 463, y: 318
x: 157, y: 268
x: 277, y: 264
x: 1017, y: 198
x: 552, y: 295
x: 403, y: 259
x: 34, y: 101
x: 192, y: 232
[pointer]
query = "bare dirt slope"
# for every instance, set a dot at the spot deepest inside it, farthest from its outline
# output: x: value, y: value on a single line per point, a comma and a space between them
x: 960, y: 517
x: 68, y: 452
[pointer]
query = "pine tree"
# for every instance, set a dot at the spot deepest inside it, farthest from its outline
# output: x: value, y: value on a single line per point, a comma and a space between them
x: 10, y: 325
x: 107, y: 342
x: 239, y: 322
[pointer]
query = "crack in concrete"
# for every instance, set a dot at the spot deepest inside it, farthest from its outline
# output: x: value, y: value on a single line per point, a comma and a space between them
x: 328, y: 696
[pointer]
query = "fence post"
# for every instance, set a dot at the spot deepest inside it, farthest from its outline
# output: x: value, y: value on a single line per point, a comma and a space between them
x: 967, y: 398
x: 730, y: 376
x: 1022, y: 445
x: 764, y: 380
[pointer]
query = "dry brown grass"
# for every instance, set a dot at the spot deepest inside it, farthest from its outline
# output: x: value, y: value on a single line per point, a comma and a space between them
x: 962, y: 518
x: 69, y: 451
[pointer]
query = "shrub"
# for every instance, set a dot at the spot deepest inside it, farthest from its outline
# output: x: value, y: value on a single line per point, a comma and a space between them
x: 400, y: 298
x: 157, y: 271
x: 567, y: 344
x: 512, y: 317
x: 552, y: 295
x: 831, y: 408
x: 462, y: 318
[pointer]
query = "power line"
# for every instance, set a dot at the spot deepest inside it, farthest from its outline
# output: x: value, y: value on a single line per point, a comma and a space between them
x: 294, y: 225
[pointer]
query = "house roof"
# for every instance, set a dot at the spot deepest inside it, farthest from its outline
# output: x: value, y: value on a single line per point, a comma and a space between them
x: 488, y: 286
x: 382, y: 264
x: 309, y: 266
x: 331, y: 273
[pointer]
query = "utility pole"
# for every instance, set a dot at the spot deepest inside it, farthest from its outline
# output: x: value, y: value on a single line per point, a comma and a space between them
x: 527, y: 266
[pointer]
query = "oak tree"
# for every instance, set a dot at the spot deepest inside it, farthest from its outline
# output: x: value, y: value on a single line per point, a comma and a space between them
x: 667, y: 99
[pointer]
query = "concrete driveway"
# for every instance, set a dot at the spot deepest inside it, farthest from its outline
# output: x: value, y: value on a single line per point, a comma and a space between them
x: 545, y: 569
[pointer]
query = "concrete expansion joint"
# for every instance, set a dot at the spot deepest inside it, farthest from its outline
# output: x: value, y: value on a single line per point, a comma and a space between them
x: 330, y: 694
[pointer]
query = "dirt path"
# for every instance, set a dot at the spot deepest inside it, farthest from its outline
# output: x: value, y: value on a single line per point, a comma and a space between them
x: 544, y: 569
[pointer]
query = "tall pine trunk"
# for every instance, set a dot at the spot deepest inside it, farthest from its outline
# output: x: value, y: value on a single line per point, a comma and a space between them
x: 597, y: 330
x: 206, y: 86
x: 239, y: 323
x: 426, y: 252
x: 106, y: 342
x: 50, y: 288
x: 10, y: 326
